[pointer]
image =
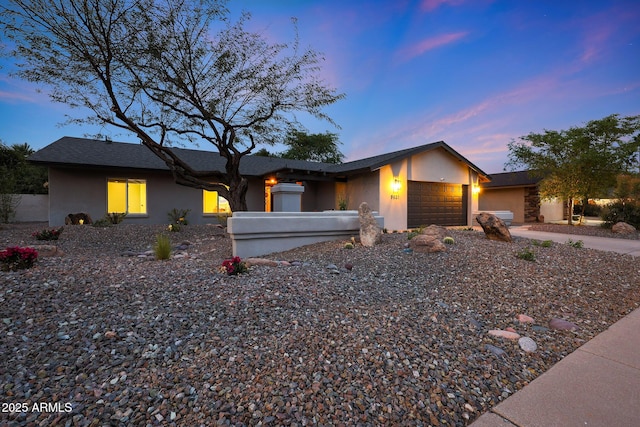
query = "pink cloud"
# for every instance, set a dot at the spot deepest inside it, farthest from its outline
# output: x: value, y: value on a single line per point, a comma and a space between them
x: 426, y: 45
x: 429, y: 5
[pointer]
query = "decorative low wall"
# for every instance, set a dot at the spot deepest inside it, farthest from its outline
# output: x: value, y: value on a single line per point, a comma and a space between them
x: 32, y: 208
x: 260, y: 233
x: 505, y: 216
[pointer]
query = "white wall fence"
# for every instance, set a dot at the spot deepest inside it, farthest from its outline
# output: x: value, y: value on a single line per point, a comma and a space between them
x: 260, y: 233
x: 32, y: 208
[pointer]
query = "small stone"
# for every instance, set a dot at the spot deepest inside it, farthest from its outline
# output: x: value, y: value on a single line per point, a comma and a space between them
x: 523, y: 318
x: 504, y: 334
x: 527, y: 344
x: 562, y: 325
x: 110, y: 334
x: 495, y: 350
x: 348, y: 266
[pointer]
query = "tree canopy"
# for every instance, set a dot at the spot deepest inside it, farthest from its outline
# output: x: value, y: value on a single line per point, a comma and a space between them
x: 580, y: 162
x: 17, y: 176
x: 170, y: 71
x: 316, y: 147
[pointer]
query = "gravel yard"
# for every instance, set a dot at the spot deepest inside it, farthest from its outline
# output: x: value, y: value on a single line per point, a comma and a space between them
x: 401, y: 339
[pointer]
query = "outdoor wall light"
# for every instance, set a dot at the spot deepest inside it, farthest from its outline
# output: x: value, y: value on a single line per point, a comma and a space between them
x: 476, y: 189
x: 395, y: 188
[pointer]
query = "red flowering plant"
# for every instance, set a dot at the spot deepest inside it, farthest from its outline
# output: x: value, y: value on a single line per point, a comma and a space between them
x: 47, y: 234
x: 234, y: 266
x: 16, y: 258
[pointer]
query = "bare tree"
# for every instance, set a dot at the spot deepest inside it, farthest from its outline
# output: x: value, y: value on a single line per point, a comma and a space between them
x: 169, y: 71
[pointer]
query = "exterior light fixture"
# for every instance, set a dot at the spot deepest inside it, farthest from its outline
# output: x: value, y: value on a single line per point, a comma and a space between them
x: 395, y: 188
x: 476, y: 189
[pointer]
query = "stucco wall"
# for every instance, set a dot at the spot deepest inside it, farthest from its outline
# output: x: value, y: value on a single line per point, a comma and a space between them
x: 432, y: 166
x: 503, y: 199
x: 552, y: 210
x: 73, y: 191
x: 32, y: 208
x: 363, y: 188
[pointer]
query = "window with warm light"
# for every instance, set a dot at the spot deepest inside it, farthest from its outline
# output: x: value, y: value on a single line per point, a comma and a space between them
x: 127, y: 196
x: 213, y: 203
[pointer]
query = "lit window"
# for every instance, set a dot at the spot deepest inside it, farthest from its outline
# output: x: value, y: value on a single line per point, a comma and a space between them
x: 127, y: 196
x: 213, y: 203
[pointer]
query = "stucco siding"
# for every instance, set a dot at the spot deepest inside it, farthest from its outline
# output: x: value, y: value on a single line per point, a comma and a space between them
x: 363, y: 188
x: 437, y: 166
x: 73, y: 191
x: 505, y: 199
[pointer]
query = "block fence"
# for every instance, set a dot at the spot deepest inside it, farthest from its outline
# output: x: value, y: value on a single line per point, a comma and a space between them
x: 260, y: 233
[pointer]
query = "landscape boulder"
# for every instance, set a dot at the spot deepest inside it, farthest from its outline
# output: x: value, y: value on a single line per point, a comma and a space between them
x: 623, y: 228
x: 494, y: 228
x: 437, y: 231
x: 427, y: 243
x: 78, y: 218
x: 47, y: 251
x: 370, y: 231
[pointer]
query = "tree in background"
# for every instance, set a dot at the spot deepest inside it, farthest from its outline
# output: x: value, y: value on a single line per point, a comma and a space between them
x: 18, y: 177
x: 317, y: 147
x: 169, y: 71
x: 24, y: 178
x: 580, y: 162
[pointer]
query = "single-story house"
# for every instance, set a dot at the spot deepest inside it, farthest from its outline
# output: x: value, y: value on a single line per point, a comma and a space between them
x: 518, y: 192
x: 429, y: 184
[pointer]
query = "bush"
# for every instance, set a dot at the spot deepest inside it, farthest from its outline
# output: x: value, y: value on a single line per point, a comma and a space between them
x: 16, y: 258
x: 162, y: 247
x: 448, y: 240
x: 234, y: 266
x: 591, y: 209
x: 527, y: 255
x: 628, y: 212
x: 47, y: 234
x: 577, y: 244
x: 544, y: 243
x: 178, y: 216
x: 115, y: 217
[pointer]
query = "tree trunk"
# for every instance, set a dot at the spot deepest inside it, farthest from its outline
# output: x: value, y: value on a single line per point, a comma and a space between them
x: 570, y: 205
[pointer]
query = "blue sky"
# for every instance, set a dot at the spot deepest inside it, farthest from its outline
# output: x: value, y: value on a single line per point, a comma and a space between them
x: 473, y: 73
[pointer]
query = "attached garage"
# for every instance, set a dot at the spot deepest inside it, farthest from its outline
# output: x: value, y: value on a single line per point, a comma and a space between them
x: 436, y: 203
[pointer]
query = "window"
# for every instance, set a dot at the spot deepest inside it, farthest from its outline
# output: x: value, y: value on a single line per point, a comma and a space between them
x: 212, y: 203
x: 127, y: 196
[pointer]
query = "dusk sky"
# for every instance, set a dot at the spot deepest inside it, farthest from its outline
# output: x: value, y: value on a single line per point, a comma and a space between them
x: 473, y: 73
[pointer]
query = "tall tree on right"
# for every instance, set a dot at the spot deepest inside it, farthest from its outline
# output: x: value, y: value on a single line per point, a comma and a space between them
x: 580, y: 162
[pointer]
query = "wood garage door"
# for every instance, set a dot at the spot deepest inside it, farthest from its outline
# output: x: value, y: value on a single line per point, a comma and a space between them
x: 436, y: 203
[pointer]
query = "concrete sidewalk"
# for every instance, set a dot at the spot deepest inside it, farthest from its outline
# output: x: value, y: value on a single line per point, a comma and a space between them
x: 609, y: 244
x: 596, y: 385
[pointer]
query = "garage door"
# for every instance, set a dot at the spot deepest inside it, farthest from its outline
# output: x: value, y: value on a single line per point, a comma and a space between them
x: 436, y: 203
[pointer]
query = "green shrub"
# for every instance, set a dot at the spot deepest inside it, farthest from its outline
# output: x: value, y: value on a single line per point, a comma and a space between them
x: 162, y: 247
x: 178, y: 216
x: 544, y: 243
x: 448, y: 240
x: 102, y: 222
x: 348, y: 245
x: 527, y: 255
x: 234, y: 266
x: 48, y: 234
x: 174, y: 227
x: 578, y: 244
x: 628, y: 212
x: 115, y: 217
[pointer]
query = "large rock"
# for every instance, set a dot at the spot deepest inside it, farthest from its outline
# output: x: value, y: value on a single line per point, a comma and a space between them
x: 427, y: 243
x: 436, y: 231
x: 370, y: 231
x: 78, y: 218
x: 494, y: 228
x: 47, y: 250
x: 623, y: 228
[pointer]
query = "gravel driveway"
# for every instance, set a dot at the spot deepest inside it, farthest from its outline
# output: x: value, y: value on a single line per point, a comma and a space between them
x: 98, y: 338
